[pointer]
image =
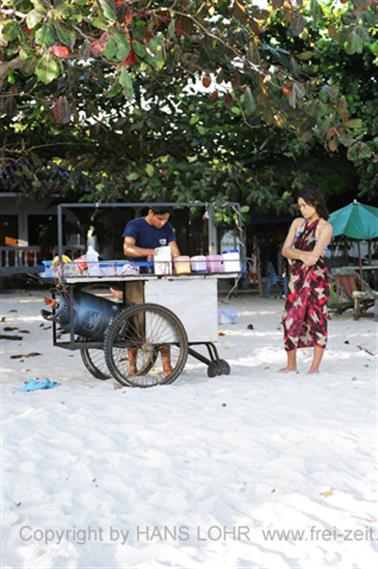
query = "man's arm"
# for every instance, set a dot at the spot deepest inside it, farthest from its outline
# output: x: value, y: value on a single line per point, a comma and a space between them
x: 174, y: 248
x: 131, y: 250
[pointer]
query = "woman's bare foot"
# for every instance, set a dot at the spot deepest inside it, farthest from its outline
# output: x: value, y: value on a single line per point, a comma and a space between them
x: 312, y: 371
x: 288, y: 369
x: 132, y: 370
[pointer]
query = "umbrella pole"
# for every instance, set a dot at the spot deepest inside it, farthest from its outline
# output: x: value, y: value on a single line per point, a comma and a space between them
x: 360, y: 264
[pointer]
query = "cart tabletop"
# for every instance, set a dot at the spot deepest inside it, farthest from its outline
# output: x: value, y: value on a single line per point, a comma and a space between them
x: 148, y: 277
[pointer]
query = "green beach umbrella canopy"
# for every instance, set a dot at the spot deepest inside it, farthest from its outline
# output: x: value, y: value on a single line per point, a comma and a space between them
x: 356, y: 221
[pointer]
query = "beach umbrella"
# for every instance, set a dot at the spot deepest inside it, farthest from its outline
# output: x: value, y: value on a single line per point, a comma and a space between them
x: 356, y: 221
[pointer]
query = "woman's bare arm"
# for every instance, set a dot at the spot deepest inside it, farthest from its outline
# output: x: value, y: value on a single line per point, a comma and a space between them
x: 324, y: 238
x: 288, y: 249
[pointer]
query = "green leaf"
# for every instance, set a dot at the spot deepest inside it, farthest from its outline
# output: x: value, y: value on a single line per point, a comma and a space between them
x: 111, y: 48
x: 33, y: 18
x: 115, y: 90
x: 150, y: 170
x: 123, y: 46
x: 194, y: 119
x: 139, y: 49
x: 154, y: 51
x: 48, y: 68
x: 132, y: 177
x: 45, y: 36
x: 354, y: 123
x: 11, y: 30
x: 99, y: 23
x: 354, y: 43
x: 66, y: 35
x: 249, y: 102
x: 306, y: 55
x: 108, y: 9
x: 201, y: 129
x: 127, y: 84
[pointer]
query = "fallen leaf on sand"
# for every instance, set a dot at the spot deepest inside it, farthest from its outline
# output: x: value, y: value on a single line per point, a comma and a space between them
x: 10, y: 328
x: 24, y: 331
x: 7, y: 337
x: 368, y: 519
x: 13, y: 310
x: 30, y: 355
x: 2, y: 319
x: 327, y: 493
x: 365, y: 350
x: 221, y: 333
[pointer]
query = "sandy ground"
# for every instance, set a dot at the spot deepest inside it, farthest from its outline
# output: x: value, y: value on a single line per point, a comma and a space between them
x: 251, y: 470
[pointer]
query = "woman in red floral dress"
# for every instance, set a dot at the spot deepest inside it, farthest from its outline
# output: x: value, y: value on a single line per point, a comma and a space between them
x: 305, y: 315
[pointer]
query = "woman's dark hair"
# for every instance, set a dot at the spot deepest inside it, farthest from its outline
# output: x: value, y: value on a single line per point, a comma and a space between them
x: 313, y: 197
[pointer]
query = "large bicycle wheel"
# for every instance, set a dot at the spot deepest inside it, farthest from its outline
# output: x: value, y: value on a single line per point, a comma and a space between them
x: 146, y: 345
x: 94, y: 361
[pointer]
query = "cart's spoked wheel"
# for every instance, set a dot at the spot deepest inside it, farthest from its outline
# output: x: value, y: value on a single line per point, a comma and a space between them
x: 218, y: 367
x: 146, y: 345
x: 94, y: 361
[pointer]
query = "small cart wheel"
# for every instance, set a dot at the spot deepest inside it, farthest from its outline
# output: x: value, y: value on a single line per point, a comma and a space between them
x: 146, y: 345
x: 94, y: 361
x: 218, y: 367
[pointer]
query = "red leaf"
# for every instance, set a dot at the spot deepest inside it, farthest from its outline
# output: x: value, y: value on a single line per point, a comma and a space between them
x: 287, y: 90
x: 228, y: 100
x: 131, y: 59
x: 214, y: 96
x: 96, y: 48
x: 179, y: 27
x: 61, y: 110
x: 148, y: 36
x: 331, y: 133
x: 60, y: 51
x: 128, y: 16
x: 206, y: 80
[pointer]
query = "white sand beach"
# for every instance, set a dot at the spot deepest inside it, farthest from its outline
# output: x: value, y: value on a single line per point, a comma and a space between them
x: 254, y: 470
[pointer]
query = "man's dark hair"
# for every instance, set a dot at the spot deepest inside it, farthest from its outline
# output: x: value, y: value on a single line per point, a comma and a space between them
x: 158, y: 209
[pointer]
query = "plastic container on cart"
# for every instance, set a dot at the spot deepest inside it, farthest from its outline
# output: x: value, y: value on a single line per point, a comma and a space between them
x: 124, y: 268
x: 47, y: 269
x: 91, y: 257
x: 198, y: 263
x: 163, y: 261
x: 182, y: 265
x: 214, y: 264
x: 231, y: 261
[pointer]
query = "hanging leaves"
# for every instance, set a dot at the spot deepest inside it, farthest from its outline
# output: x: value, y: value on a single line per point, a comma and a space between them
x: 61, y: 110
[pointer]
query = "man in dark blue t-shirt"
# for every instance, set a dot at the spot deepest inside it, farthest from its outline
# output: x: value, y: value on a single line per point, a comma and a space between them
x: 144, y: 234
x: 141, y: 237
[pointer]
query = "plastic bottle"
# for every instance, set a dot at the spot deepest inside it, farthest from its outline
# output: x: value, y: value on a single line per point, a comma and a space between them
x: 91, y: 256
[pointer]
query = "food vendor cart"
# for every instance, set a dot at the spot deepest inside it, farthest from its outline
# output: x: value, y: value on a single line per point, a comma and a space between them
x: 172, y: 313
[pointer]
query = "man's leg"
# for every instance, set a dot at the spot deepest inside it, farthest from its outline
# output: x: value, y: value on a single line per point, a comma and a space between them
x: 165, y: 352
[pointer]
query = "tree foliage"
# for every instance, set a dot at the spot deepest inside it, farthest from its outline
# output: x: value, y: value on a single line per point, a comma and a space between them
x: 187, y: 99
